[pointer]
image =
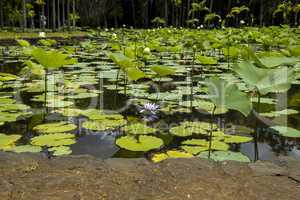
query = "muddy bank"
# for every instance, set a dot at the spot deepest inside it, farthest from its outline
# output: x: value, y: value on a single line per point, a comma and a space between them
x: 34, y: 177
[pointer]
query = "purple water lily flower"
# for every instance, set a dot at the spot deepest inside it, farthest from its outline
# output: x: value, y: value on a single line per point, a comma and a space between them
x: 149, y: 111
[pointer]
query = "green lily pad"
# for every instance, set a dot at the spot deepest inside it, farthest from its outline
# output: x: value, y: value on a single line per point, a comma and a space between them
x: 225, y: 156
x: 141, y: 143
x: 26, y: 149
x: 104, y: 124
x: 158, y: 157
x: 60, y: 150
x: 139, y: 129
x: 8, y: 141
x: 286, y: 131
x: 59, y: 127
x: 237, y: 139
x: 54, y: 140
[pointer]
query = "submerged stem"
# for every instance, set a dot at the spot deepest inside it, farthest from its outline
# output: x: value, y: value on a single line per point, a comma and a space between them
x: 210, y: 133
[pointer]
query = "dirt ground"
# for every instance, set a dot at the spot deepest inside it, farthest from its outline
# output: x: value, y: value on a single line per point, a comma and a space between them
x: 34, y: 177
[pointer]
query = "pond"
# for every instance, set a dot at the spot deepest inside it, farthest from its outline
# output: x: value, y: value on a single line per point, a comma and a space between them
x: 96, y: 104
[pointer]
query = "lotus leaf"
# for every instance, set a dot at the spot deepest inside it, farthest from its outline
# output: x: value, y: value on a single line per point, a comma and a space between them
x: 8, y: 141
x: 163, y: 70
x: 236, y: 139
x: 140, y: 143
x: 59, y: 127
x: 227, y: 95
x: 286, y: 131
x: 60, y: 150
x: 54, y: 140
x: 225, y: 156
x: 7, y: 77
x: 26, y: 149
x: 139, y: 129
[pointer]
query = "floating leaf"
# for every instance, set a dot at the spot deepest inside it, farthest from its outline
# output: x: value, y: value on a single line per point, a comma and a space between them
x: 139, y: 129
x: 286, y: 131
x: 26, y: 149
x: 60, y: 150
x: 8, y: 141
x: 140, y: 143
x: 158, y: 157
x: 59, y: 127
x: 237, y: 139
x: 54, y: 140
x: 225, y: 156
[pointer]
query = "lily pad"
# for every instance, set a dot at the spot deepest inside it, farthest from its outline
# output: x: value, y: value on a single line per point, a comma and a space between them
x: 59, y: 127
x: 60, y: 150
x: 141, y: 143
x: 225, y: 156
x: 26, y: 149
x: 54, y: 140
x: 139, y: 129
x: 286, y: 131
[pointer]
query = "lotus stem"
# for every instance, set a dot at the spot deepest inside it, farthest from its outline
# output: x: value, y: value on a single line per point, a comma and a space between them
x: 256, y: 153
x: 210, y: 133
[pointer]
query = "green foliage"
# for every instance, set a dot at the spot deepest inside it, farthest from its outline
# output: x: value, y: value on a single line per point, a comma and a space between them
x: 227, y: 95
x: 140, y: 143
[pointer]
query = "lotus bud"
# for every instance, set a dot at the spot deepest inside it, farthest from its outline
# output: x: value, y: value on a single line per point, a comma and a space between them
x: 114, y: 36
x: 201, y: 26
x: 42, y: 34
x: 242, y: 22
x: 147, y: 50
x: 194, y: 47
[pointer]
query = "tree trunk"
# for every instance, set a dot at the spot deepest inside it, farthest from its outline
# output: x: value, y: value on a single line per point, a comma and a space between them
x: 166, y: 12
x: 68, y: 14
x: 24, y: 14
x: 133, y: 13
x: 261, y: 13
x: 229, y: 6
x: 53, y: 15
x: 58, y: 14
x: 48, y: 13
x: 74, y: 12
x: 63, y: 13
x: 211, y: 5
x: 1, y: 14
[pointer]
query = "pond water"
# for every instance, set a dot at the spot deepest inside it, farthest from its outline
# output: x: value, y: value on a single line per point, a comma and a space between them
x: 95, y: 73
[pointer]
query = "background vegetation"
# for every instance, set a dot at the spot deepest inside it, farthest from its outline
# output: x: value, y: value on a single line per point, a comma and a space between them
x: 146, y: 13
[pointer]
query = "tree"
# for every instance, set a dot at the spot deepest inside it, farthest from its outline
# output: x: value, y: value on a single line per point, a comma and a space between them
x: 24, y: 12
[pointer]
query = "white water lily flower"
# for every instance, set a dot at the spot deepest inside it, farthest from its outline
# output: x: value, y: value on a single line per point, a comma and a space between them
x: 106, y: 29
x: 201, y: 26
x: 114, y: 35
x: 42, y: 34
x: 147, y: 50
x: 242, y: 22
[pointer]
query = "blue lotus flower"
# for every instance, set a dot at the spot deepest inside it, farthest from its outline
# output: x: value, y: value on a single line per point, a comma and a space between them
x: 149, y: 111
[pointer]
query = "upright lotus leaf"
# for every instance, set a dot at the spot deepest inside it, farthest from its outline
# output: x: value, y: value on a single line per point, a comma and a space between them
x: 265, y: 80
x: 23, y: 43
x: 54, y: 140
x: 225, y: 156
x: 134, y: 73
x: 59, y: 127
x: 294, y: 50
x: 204, y: 60
x: 141, y: 143
x: 139, y: 129
x: 35, y: 69
x: 271, y: 62
x: 227, y: 95
x: 52, y: 59
x: 163, y: 70
x: 286, y: 131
